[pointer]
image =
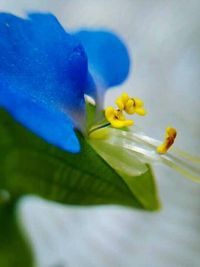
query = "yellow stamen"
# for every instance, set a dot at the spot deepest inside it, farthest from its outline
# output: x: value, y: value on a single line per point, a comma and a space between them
x: 130, y: 105
x: 122, y: 100
x: 168, y: 142
x: 116, y: 118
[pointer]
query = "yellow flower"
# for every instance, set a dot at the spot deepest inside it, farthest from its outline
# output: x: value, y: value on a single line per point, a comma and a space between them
x: 116, y: 118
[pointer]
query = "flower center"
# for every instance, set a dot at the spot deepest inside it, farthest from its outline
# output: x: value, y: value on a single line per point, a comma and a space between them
x: 113, y: 134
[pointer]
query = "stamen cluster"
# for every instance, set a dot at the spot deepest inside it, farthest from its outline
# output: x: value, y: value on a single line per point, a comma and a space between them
x: 125, y: 104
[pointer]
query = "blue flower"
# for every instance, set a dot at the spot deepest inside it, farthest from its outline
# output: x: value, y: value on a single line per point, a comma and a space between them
x: 45, y: 72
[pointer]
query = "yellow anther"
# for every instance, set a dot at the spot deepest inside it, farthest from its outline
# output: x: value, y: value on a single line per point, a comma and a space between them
x: 116, y: 118
x: 130, y: 105
x: 122, y: 100
x: 168, y: 142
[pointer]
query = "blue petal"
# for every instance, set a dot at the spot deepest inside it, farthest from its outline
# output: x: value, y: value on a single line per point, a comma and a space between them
x: 42, y: 65
x: 108, y: 57
x: 54, y: 127
x: 44, y: 61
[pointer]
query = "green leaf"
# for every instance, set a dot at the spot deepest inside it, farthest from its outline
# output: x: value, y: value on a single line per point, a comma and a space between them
x: 29, y: 165
x: 14, y: 247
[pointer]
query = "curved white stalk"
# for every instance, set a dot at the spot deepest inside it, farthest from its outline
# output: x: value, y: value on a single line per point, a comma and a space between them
x: 144, y: 148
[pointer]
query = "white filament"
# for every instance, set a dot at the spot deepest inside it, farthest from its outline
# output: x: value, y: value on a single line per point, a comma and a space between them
x: 143, y: 149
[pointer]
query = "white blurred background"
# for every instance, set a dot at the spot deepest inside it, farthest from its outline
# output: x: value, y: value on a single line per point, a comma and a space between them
x: 163, y: 37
